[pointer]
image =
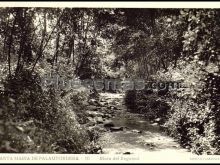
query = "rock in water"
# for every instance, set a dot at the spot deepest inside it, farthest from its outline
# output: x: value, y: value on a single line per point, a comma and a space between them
x: 175, y: 146
x: 113, y: 108
x: 107, y: 115
x: 151, y: 145
x: 157, y: 120
x: 126, y: 153
x: 154, y: 124
x: 94, y: 102
x: 163, y: 126
x: 99, y: 120
x: 90, y: 123
x: 92, y: 107
x: 90, y: 119
x: 136, y: 131
x: 98, y: 128
x: 104, y: 109
x: 114, y: 129
x: 94, y: 113
x: 108, y: 123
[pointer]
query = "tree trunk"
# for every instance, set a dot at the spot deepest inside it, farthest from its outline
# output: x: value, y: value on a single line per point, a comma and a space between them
x: 71, y: 51
x: 55, y: 58
x: 22, y: 24
x: 10, y: 44
x: 47, y: 41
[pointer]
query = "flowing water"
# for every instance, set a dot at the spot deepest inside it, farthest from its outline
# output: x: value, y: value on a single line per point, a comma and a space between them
x: 138, y: 135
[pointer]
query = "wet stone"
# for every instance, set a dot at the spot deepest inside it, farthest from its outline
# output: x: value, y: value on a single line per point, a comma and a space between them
x: 114, y: 129
x: 154, y: 124
x: 126, y: 153
x: 92, y: 108
x: 99, y: 120
x: 157, y: 120
x: 94, y: 102
x: 108, y: 123
x: 90, y: 123
x: 104, y: 109
x: 136, y: 131
x: 94, y: 113
x: 107, y: 116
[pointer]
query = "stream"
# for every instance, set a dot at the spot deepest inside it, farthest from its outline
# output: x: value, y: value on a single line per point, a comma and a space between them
x: 132, y: 133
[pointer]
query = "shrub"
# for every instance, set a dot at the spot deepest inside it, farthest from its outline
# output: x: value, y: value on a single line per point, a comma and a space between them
x: 148, y: 103
x: 46, y: 120
x: 194, y: 115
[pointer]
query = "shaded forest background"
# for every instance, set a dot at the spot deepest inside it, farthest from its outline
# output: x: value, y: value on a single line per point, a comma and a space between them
x: 152, y: 44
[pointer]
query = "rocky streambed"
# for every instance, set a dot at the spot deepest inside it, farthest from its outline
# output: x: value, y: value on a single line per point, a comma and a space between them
x: 127, y: 133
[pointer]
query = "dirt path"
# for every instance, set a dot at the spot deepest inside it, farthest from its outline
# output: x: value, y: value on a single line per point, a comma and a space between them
x: 131, y: 134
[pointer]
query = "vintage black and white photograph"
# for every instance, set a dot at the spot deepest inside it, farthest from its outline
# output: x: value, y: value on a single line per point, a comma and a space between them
x: 123, y: 81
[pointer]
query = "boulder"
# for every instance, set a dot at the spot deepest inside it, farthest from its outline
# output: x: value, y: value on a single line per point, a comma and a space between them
x: 107, y: 116
x: 163, y: 126
x: 141, y: 121
x: 94, y: 102
x: 136, y: 131
x: 154, y: 124
x: 91, y: 119
x: 102, y: 103
x: 98, y: 128
x: 109, y: 112
x: 114, y: 102
x: 175, y: 146
x: 126, y: 153
x: 119, y: 108
x: 104, y: 109
x: 114, y: 108
x: 92, y: 107
x: 108, y: 123
x: 150, y: 144
x: 91, y: 123
x: 99, y: 120
x: 94, y: 113
x: 114, y: 129
x: 157, y: 119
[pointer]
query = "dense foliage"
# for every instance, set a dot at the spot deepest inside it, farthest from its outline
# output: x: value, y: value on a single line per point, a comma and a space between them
x: 193, y: 117
x: 180, y: 45
x: 35, y: 44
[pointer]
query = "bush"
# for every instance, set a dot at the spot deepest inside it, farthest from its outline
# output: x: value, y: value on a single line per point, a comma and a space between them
x: 194, y: 115
x: 42, y: 121
x: 148, y: 103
